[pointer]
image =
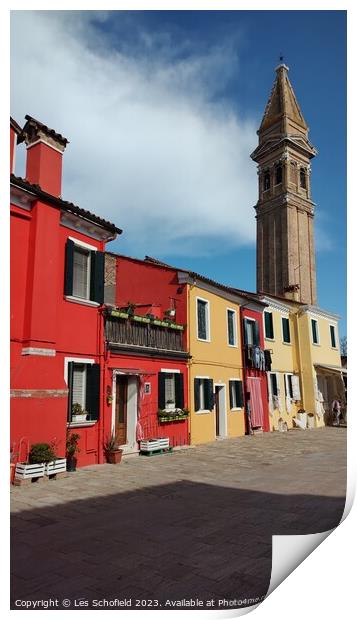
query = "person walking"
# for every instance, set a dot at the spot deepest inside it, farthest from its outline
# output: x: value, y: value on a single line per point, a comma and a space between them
x: 336, y: 412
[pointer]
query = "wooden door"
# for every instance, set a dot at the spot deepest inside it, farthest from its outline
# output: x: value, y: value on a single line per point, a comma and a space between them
x: 121, y: 402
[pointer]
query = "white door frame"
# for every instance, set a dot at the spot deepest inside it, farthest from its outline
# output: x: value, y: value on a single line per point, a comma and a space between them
x: 222, y: 421
x: 132, y: 409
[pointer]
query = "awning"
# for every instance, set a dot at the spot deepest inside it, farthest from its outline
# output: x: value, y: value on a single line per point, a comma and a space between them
x: 328, y: 369
x: 132, y: 371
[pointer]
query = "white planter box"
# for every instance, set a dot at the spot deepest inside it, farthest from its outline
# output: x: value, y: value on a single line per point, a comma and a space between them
x: 55, y: 467
x: 147, y: 445
x: 80, y: 417
x: 310, y: 421
x: 24, y: 471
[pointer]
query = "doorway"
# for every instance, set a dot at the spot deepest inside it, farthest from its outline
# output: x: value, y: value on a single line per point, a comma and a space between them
x: 121, y: 409
x: 220, y: 410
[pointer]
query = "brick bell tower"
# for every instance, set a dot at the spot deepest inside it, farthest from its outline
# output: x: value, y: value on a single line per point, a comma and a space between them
x: 285, y: 211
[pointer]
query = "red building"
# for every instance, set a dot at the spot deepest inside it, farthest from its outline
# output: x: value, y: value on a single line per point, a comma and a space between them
x: 146, y: 352
x: 255, y: 361
x: 57, y: 293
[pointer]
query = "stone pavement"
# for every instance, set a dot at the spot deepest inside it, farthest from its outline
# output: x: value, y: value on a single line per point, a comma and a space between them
x: 196, y: 523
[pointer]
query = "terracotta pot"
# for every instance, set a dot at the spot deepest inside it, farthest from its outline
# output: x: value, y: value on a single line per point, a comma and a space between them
x: 114, y: 457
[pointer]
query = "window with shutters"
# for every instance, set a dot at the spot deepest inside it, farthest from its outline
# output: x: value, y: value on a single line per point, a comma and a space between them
x: 333, y: 336
x: 203, y: 330
x: 84, y: 273
x: 83, y: 380
x: 268, y: 325
x: 236, y: 394
x: 203, y: 394
x: 171, y: 390
x: 286, y: 329
x: 232, y: 327
x: 315, y: 331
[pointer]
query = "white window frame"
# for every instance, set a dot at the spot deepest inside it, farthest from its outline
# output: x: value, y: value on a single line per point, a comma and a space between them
x: 78, y: 360
x: 235, y: 379
x: 276, y: 374
x: 208, y: 319
x: 84, y: 300
x: 201, y: 410
x: 335, y: 348
x: 316, y: 344
x: 285, y: 316
x: 235, y: 330
x: 272, y: 315
x: 249, y: 319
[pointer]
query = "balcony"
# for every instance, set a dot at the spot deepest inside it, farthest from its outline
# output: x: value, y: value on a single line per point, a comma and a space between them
x: 257, y: 358
x: 135, y: 333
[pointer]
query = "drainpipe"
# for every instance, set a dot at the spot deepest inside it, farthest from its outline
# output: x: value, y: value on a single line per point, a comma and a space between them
x: 102, y: 364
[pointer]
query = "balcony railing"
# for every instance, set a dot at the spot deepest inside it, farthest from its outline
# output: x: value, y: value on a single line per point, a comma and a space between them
x: 132, y: 332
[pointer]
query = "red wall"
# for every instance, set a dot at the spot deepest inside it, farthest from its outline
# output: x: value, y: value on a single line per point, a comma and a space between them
x: 252, y: 372
x: 149, y: 368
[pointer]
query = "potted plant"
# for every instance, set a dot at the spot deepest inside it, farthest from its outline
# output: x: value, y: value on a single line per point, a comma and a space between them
x: 78, y: 413
x: 40, y: 454
x: 170, y: 404
x: 72, y: 449
x: 112, y: 449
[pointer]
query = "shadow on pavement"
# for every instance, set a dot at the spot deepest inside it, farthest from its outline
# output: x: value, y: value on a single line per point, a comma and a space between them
x: 172, y: 541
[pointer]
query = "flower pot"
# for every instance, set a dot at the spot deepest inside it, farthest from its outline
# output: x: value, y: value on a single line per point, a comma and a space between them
x: 71, y: 463
x: 170, y: 407
x: 114, y: 457
x: 79, y: 417
x: 12, y: 472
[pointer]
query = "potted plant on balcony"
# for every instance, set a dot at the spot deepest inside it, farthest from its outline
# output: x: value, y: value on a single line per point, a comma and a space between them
x: 112, y: 449
x: 78, y: 413
x: 170, y: 405
x: 72, y: 449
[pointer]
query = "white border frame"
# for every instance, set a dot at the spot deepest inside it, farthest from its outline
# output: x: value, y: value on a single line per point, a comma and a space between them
x: 235, y: 327
x: 200, y: 411
x: 315, y: 344
x: 268, y: 311
x: 282, y: 330
x: 222, y: 420
x: 335, y: 348
x: 235, y: 379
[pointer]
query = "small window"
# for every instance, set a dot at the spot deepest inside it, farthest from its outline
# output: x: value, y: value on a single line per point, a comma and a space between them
x: 288, y: 386
x: 286, y: 329
x: 171, y: 390
x: 315, y: 331
x: 273, y: 384
x: 251, y: 332
x: 84, y: 273
x: 202, y: 319
x: 333, y: 336
x: 232, y: 327
x: 204, y: 396
x: 266, y: 181
x: 83, y: 391
x: 302, y: 178
x: 268, y: 323
x: 236, y: 394
x: 278, y: 174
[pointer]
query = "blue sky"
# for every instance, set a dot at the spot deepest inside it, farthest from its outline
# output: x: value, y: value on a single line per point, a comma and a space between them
x: 161, y: 109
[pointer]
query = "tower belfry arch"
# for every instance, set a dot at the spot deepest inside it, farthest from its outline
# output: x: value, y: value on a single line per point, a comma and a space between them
x: 285, y: 210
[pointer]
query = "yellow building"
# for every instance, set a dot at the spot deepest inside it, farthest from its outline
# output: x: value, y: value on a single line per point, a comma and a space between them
x: 306, y: 370
x: 216, y: 367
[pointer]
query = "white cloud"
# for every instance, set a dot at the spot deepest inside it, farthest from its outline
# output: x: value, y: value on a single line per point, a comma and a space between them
x: 152, y: 145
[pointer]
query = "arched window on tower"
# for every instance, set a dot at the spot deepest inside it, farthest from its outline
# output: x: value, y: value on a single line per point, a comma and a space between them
x: 278, y: 174
x: 303, y: 178
x: 266, y: 181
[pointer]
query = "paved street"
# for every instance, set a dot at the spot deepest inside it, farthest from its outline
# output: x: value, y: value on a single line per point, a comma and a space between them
x: 195, y: 523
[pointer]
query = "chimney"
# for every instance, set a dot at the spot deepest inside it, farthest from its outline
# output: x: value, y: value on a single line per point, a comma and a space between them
x: 44, y: 156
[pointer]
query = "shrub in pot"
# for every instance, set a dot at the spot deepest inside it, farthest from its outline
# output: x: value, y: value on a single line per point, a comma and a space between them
x: 41, y: 453
x: 112, y: 449
x: 72, y: 449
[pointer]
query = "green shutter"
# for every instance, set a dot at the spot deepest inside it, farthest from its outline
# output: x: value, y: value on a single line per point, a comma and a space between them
x: 268, y: 321
x: 197, y: 394
x: 68, y: 270
x: 179, y: 395
x: 239, y: 393
x: 97, y: 277
x: 231, y: 386
x: 161, y: 390
x: 333, y: 336
x: 70, y: 395
x: 210, y: 392
x: 286, y: 330
x: 93, y: 391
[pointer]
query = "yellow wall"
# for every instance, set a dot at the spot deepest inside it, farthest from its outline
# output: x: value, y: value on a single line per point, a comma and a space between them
x: 215, y: 360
